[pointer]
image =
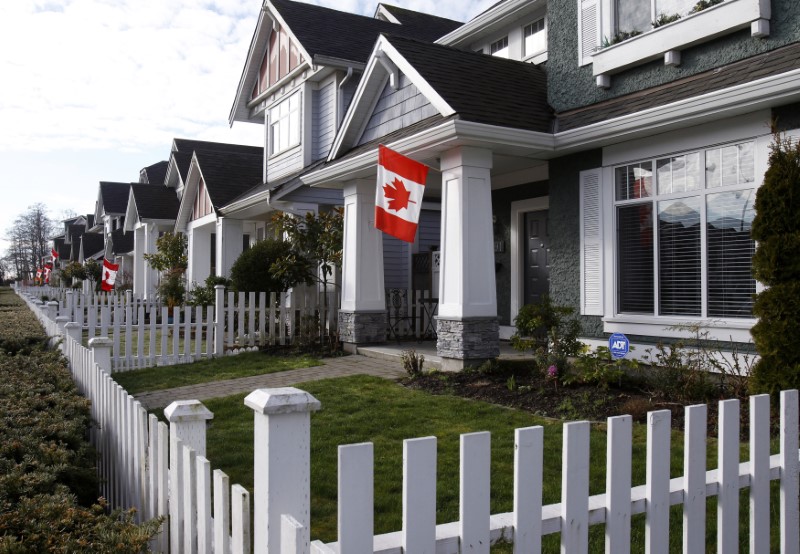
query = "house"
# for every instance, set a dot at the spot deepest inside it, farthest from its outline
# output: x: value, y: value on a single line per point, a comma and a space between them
x: 216, y: 174
x: 122, y: 250
x: 618, y: 179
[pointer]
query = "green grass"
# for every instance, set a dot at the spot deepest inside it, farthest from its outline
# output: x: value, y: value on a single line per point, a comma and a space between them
x: 217, y: 369
x: 358, y: 409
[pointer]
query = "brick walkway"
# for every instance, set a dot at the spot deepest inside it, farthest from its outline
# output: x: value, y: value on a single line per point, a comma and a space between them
x: 331, y: 367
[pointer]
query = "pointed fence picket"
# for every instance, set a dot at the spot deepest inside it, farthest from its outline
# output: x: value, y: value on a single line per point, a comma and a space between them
x: 163, y: 471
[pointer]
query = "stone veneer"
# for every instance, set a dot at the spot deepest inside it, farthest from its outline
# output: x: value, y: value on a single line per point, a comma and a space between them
x: 362, y: 327
x: 474, y: 338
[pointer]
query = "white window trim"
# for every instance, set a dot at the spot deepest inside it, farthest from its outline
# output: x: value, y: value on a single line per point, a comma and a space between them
x: 736, y: 329
x: 724, y: 18
x: 291, y: 146
x: 530, y: 57
x: 518, y: 210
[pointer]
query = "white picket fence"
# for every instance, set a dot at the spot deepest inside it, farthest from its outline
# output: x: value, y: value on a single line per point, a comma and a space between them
x: 163, y: 471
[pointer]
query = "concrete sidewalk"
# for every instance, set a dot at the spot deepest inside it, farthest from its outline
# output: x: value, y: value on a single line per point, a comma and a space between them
x: 330, y: 368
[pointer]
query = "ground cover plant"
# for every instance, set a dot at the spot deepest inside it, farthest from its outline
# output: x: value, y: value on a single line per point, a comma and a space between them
x: 204, y: 371
x: 48, y: 483
x: 20, y: 331
x: 361, y: 408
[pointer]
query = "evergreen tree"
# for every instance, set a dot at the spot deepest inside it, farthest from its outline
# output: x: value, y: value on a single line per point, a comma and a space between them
x: 776, y: 264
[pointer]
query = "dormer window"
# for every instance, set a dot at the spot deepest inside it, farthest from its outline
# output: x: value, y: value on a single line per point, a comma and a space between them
x: 284, y: 121
x: 535, y: 38
x: 499, y: 48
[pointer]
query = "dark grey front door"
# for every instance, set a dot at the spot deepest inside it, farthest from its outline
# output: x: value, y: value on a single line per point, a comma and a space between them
x: 537, y: 256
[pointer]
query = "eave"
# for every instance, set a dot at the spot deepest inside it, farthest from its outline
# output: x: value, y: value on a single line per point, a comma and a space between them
x: 489, y: 21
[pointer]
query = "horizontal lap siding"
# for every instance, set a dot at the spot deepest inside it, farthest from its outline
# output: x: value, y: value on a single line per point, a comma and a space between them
x: 397, y: 109
x: 324, y: 124
x: 395, y: 263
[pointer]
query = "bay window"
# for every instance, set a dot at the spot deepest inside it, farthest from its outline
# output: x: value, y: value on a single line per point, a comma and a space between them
x: 639, y: 15
x: 285, y: 124
x: 683, y: 234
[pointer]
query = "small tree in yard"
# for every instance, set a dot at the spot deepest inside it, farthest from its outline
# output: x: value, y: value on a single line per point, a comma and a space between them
x: 316, y: 249
x: 776, y: 264
x: 171, y: 261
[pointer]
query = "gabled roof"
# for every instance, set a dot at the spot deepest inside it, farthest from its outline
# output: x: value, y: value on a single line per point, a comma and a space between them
x: 154, y: 174
x: 347, y: 36
x: 433, y: 24
x: 63, y: 251
x: 474, y: 87
x: 74, y: 232
x: 113, y: 197
x: 121, y: 242
x: 89, y: 221
x: 182, y: 160
x: 227, y: 175
x: 154, y: 202
x: 91, y: 244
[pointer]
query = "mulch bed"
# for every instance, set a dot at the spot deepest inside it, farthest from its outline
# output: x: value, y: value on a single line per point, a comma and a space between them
x: 570, y: 403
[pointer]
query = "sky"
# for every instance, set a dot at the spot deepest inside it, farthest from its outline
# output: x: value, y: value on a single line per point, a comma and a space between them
x: 95, y: 90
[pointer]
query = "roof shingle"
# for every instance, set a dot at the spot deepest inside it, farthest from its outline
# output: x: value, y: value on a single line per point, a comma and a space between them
x: 114, y: 197
x: 155, y: 202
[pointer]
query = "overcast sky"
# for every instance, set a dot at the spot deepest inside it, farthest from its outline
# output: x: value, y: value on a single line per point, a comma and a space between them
x: 95, y: 90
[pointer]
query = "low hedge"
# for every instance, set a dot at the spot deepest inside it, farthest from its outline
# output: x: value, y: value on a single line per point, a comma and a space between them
x: 20, y: 331
x: 48, y: 483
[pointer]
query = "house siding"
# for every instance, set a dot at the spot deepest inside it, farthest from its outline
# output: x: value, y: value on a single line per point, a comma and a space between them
x: 315, y: 195
x: 397, y: 109
x: 565, y: 240
x: 285, y: 163
x: 429, y: 230
x: 348, y: 91
x: 324, y: 120
x: 395, y: 263
x: 571, y: 86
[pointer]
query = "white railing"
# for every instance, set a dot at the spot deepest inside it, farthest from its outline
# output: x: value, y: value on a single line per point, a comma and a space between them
x: 163, y: 471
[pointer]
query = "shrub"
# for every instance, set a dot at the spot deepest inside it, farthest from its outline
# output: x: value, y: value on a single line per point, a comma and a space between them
x: 776, y: 228
x: 549, y: 331
x: 20, y: 331
x: 412, y: 362
x: 205, y: 295
x: 252, y: 271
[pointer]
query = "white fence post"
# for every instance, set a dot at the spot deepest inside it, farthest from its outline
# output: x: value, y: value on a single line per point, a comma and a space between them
x: 187, y: 426
x: 219, y: 320
x: 70, y: 303
x: 73, y: 330
x: 282, y: 480
x: 101, y: 350
x: 62, y: 321
x: 52, y: 310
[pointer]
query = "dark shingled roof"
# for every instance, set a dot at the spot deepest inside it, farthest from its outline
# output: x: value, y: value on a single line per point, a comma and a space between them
x: 154, y: 174
x: 63, y: 251
x: 763, y: 65
x: 424, y: 20
x: 183, y: 160
x: 481, y: 88
x: 347, y: 36
x: 74, y: 232
x: 187, y: 146
x: 155, y: 202
x: 121, y: 242
x: 89, y: 221
x: 114, y: 197
x: 228, y: 175
x: 92, y: 244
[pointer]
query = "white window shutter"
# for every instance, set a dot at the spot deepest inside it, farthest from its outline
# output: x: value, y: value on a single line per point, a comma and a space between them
x: 591, y: 219
x: 588, y: 30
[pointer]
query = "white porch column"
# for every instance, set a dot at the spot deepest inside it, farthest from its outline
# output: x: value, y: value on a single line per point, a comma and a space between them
x: 229, y: 244
x: 199, y: 249
x: 467, y: 326
x: 362, y: 317
x: 150, y: 275
x: 139, y: 249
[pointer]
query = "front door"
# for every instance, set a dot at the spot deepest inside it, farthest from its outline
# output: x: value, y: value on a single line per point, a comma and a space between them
x: 537, y: 256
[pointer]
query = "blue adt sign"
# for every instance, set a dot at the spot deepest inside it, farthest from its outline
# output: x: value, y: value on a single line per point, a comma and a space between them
x: 618, y: 345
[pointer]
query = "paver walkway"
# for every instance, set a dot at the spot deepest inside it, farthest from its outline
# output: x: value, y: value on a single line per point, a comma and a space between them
x: 330, y: 368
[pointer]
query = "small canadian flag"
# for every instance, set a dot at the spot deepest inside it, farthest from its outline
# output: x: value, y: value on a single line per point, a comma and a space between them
x: 54, y: 254
x: 47, y: 269
x: 109, y: 275
x: 398, y: 199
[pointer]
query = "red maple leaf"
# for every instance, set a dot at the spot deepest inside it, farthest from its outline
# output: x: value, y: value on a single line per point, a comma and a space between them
x: 397, y: 194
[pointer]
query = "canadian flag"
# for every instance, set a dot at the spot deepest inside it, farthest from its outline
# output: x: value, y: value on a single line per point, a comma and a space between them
x: 54, y: 254
x: 109, y: 275
x: 47, y: 269
x: 398, y: 199
x: 38, y: 273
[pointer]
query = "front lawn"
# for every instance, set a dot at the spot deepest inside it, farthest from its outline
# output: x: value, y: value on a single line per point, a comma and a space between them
x: 216, y: 369
x: 358, y: 409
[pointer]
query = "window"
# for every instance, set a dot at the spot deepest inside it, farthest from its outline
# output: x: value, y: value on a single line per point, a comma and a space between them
x: 285, y: 124
x: 535, y: 38
x: 499, y: 48
x: 638, y: 15
x: 683, y: 234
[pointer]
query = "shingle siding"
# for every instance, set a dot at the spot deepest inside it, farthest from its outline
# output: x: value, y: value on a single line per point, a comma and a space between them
x: 397, y: 109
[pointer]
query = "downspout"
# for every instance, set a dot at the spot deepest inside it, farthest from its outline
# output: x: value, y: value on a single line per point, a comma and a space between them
x: 341, y: 94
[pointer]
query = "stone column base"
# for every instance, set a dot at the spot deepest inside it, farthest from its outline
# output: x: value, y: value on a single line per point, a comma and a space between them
x: 467, y: 342
x: 362, y: 327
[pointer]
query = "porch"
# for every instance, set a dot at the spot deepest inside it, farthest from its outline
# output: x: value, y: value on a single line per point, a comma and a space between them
x: 393, y: 351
